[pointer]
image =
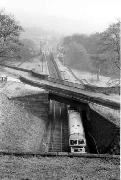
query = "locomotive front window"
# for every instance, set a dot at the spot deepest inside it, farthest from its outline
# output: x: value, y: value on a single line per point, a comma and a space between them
x: 73, y: 142
x: 81, y: 141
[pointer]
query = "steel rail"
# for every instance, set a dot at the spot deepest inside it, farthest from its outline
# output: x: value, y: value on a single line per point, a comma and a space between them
x: 63, y: 154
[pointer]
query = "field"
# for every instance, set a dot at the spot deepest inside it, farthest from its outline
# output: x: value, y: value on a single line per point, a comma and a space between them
x: 57, y: 168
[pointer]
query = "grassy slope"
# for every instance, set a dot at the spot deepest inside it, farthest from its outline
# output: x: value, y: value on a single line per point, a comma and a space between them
x: 22, y: 122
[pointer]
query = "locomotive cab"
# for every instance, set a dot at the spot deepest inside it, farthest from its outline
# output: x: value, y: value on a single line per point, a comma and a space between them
x: 77, y: 145
x: 77, y: 140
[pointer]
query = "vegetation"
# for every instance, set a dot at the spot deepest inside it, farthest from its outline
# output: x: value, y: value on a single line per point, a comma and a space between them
x: 27, y: 50
x: 110, y: 43
x: 11, y: 47
x: 107, y: 57
x: 98, y: 53
x: 75, y: 55
x: 9, y: 36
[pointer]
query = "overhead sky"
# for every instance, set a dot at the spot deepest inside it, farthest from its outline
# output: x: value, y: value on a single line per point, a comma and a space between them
x: 70, y: 16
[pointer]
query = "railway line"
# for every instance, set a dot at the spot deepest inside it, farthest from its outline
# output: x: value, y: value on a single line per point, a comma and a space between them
x: 58, y: 114
x: 60, y: 154
x: 57, y: 162
x: 60, y: 131
x: 59, y: 119
x: 64, y: 88
x: 53, y: 68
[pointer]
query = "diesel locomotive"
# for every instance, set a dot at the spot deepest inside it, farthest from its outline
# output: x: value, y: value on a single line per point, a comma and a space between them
x: 77, y: 140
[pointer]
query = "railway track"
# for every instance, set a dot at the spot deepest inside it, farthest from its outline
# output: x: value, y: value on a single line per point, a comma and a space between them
x: 53, y: 68
x: 58, y: 165
x: 60, y: 154
x: 58, y: 114
x: 52, y: 63
x: 56, y: 129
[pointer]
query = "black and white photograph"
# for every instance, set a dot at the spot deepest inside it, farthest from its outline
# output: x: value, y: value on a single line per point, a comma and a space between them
x: 60, y: 89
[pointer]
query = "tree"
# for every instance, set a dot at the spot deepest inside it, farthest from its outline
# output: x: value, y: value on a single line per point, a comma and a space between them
x: 110, y: 43
x: 27, y: 50
x: 9, y: 36
x: 102, y: 51
x: 74, y: 54
x: 106, y: 58
x: 100, y: 65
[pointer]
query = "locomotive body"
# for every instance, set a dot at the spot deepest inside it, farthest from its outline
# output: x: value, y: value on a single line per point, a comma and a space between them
x: 77, y: 140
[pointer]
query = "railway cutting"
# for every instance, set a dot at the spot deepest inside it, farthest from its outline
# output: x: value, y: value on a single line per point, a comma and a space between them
x: 73, y: 126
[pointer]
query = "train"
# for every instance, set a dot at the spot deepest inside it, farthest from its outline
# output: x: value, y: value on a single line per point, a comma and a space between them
x: 77, y: 140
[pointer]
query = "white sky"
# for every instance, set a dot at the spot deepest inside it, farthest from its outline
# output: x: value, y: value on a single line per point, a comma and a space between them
x: 65, y: 15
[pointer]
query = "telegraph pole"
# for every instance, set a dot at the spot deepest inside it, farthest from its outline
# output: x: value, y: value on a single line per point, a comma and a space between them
x: 41, y: 52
